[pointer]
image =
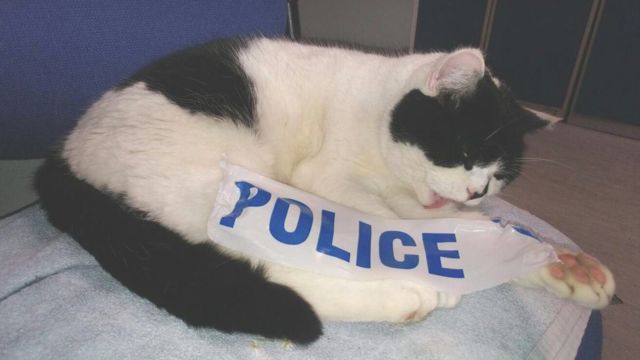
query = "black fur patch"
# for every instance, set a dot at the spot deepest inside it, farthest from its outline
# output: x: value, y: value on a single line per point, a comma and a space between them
x: 206, y: 78
x: 476, y: 129
x: 196, y: 283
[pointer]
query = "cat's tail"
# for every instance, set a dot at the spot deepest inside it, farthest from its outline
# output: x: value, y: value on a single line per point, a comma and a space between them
x: 196, y: 283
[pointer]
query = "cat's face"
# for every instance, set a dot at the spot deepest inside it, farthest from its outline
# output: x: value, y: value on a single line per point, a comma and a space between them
x: 462, y: 144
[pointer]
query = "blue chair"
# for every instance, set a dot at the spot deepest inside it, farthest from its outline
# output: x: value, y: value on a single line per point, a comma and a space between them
x: 60, y: 56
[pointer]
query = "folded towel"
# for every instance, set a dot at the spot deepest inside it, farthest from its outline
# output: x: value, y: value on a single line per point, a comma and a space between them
x: 56, y: 302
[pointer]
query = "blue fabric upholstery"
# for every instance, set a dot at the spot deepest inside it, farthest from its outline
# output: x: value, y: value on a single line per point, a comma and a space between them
x: 59, y: 56
x: 591, y: 345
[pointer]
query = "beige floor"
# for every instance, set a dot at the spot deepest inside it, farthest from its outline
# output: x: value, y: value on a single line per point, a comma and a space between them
x: 587, y: 184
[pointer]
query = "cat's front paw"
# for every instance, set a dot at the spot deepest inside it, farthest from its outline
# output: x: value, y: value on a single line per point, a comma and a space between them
x: 578, y: 277
x: 418, y: 301
x: 407, y: 302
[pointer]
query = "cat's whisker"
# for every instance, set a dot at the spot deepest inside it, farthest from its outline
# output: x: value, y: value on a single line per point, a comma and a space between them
x: 495, y: 132
x: 526, y: 176
x: 532, y: 159
x: 518, y: 175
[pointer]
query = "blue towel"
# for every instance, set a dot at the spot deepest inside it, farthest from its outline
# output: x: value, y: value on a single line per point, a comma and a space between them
x: 56, y: 302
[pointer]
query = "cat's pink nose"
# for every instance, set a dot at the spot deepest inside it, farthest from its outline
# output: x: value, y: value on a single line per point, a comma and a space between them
x: 475, y: 194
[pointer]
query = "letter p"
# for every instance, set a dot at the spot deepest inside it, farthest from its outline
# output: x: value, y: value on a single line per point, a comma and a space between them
x: 260, y: 198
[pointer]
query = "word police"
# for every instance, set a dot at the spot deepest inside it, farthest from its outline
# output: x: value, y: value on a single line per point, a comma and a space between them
x: 252, y: 196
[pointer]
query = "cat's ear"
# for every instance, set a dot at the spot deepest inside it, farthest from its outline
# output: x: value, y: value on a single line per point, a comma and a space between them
x: 534, y: 120
x: 458, y: 71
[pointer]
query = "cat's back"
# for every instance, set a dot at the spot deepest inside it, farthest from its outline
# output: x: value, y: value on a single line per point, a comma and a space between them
x: 214, y: 98
x: 193, y: 104
x: 206, y: 79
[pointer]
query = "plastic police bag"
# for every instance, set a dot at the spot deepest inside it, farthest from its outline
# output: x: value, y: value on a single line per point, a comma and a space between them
x: 262, y: 218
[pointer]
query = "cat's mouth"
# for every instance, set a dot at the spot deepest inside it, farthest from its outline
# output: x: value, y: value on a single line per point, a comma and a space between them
x: 438, y: 202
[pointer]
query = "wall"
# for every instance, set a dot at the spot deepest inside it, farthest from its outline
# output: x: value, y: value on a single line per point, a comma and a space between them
x: 15, y: 184
x: 378, y: 23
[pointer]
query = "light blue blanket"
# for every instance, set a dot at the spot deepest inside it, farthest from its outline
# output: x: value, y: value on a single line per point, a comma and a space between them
x: 57, y: 303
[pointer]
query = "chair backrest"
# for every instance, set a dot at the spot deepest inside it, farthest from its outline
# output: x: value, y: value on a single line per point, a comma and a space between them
x: 57, y: 57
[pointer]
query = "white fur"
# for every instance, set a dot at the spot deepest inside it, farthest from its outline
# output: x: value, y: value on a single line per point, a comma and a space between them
x: 323, y: 127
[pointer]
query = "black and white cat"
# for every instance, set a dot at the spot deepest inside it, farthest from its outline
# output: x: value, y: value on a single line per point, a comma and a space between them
x: 414, y: 136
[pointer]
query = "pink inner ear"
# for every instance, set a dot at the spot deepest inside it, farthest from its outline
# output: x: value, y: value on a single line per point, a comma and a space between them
x: 464, y: 61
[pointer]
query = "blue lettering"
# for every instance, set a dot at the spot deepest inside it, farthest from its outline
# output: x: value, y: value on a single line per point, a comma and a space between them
x: 278, y: 217
x: 259, y: 199
x: 386, y: 250
x: 434, y: 255
x: 363, y: 259
x: 325, y: 240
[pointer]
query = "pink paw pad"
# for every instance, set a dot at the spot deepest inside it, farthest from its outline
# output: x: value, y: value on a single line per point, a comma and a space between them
x: 582, y: 267
x: 580, y: 274
x: 556, y: 271
x: 598, y: 275
x: 568, y: 259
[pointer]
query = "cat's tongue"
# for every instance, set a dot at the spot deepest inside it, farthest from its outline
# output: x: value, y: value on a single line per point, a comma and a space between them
x: 438, y: 202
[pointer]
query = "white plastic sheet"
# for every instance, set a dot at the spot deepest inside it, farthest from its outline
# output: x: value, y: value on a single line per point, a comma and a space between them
x: 262, y: 218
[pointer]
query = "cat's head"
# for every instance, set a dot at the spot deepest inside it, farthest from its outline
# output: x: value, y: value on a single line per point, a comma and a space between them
x: 461, y: 136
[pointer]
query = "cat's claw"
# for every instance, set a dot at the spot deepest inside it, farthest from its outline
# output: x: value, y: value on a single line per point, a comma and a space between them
x: 577, y: 277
